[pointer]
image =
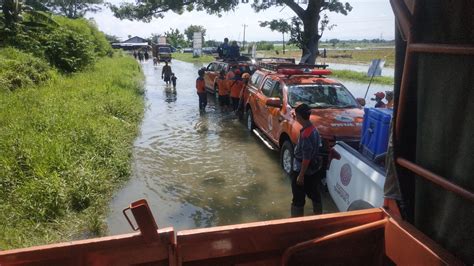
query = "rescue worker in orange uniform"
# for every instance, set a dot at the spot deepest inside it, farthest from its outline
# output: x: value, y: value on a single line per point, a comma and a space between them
x: 201, y: 91
x: 223, y: 91
x: 236, y: 88
x: 243, y: 95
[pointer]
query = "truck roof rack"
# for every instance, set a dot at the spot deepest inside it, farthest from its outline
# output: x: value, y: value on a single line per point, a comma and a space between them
x: 237, y: 59
x: 275, y: 60
x: 277, y: 66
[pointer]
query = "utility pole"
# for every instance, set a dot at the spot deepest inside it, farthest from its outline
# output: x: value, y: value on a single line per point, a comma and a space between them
x: 243, y: 42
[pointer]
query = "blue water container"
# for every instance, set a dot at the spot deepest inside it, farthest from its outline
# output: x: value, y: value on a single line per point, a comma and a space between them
x: 375, y: 131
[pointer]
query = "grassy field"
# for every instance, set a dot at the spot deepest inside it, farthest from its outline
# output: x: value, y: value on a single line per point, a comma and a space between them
x: 359, y: 76
x: 188, y: 57
x: 344, y: 56
x: 65, y: 147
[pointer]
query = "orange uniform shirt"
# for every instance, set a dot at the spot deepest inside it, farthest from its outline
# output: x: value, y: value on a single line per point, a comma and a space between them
x: 223, y: 86
x: 200, y: 85
x: 236, y: 87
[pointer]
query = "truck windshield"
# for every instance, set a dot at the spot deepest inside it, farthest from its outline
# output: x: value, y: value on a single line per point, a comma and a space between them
x: 321, y: 96
x: 164, y: 50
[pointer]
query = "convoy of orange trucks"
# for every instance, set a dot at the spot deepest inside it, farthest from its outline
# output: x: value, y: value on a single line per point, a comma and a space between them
x: 427, y: 212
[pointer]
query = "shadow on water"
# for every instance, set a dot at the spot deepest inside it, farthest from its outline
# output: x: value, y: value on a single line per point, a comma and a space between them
x: 199, y: 170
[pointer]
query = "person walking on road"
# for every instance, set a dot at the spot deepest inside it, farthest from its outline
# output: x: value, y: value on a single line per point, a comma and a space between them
x: 173, y: 80
x: 236, y: 86
x: 166, y: 73
x: 243, y: 95
x: 304, y: 178
x: 201, y: 91
x: 223, y: 91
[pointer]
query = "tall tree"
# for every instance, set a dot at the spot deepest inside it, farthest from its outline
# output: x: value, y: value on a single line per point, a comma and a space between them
x: 279, y: 25
x: 73, y: 8
x: 189, y: 31
x: 309, y: 14
x: 175, y: 38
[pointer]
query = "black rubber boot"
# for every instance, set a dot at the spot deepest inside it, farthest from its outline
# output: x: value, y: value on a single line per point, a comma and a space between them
x: 317, y: 207
x: 297, y: 211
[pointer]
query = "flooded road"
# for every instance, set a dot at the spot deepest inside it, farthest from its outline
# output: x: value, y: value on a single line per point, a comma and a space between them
x: 200, y: 170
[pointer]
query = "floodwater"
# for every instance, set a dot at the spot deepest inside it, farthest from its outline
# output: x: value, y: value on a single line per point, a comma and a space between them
x: 386, y: 71
x: 201, y: 170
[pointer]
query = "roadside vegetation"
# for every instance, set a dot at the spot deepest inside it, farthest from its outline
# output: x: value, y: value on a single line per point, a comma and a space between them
x: 364, y: 55
x: 361, y: 77
x: 69, y: 112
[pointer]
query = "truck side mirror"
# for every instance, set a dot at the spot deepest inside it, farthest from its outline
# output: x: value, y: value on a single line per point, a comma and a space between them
x: 361, y: 101
x: 273, y: 102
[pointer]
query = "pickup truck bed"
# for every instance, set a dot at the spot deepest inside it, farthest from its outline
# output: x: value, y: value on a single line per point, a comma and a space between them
x: 354, y: 181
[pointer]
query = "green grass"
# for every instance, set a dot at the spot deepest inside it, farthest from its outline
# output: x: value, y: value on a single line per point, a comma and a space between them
x: 359, y: 76
x: 65, y: 147
x: 188, y: 57
x: 344, y: 56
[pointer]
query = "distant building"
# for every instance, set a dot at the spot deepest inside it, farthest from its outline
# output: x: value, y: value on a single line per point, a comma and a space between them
x: 133, y: 43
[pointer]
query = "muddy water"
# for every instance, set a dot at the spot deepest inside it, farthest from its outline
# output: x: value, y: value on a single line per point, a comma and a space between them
x: 200, y: 170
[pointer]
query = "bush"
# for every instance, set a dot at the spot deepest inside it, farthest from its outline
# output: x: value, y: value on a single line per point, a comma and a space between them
x: 264, y: 46
x: 18, y: 69
x: 69, y: 51
x: 89, y: 31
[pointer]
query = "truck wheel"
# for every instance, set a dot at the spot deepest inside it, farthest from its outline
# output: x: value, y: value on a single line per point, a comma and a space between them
x: 250, y: 123
x: 286, y: 157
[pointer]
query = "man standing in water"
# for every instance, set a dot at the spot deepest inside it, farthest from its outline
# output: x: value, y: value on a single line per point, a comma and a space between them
x: 166, y: 73
x: 304, y: 179
x: 201, y: 91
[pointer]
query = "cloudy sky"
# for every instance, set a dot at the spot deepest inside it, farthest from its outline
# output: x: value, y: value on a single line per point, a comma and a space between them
x: 369, y: 19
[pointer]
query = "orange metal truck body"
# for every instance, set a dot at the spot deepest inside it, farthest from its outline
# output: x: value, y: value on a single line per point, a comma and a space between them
x: 367, y: 237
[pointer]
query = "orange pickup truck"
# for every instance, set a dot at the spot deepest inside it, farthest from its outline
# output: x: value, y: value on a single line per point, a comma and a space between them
x: 212, y: 71
x: 276, y: 89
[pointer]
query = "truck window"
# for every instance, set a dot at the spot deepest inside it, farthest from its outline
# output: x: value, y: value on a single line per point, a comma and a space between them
x: 212, y: 67
x: 321, y: 96
x: 255, y: 79
x: 164, y: 50
x: 268, y: 86
x: 276, y: 92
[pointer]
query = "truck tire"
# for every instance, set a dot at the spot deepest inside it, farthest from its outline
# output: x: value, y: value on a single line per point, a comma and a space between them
x: 250, y: 121
x: 359, y: 205
x: 286, y: 157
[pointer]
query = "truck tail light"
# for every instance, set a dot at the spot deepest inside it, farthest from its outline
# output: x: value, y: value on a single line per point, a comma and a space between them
x: 333, y: 154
